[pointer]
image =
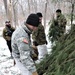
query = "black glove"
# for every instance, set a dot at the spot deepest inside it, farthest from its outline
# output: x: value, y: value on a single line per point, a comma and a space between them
x: 46, y: 42
x: 34, y: 53
x: 9, y: 33
x: 35, y: 43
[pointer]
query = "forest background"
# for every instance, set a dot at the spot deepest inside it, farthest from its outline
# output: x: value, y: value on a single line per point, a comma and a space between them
x: 17, y: 10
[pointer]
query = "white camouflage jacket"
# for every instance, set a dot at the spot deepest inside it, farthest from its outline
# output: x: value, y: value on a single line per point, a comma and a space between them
x: 21, y: 47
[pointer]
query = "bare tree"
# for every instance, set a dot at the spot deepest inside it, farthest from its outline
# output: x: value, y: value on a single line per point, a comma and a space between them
x: 45, y: 13
x: 10, y: 11
x: 15, y: 12
x: 5, y: 5
x: 72, y: 9
x: 8, y: 8
x: 22, y: 8
x: 28, y: 6
x: 46, y: 7
x: 35, y: 5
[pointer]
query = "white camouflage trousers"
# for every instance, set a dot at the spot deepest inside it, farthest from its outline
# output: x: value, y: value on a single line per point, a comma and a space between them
x: 42, y: 49
x: 22, y: 68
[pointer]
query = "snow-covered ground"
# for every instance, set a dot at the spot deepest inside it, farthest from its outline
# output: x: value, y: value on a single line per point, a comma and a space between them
x: 6, y: 63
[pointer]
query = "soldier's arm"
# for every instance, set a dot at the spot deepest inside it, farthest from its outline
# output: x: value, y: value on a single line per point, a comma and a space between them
x: 33, y: 36
x: 64, y: 22
x: 4, y: 36
x: 13, y: 28
x: 3, y: 33
x: 41, y: 34
x: 24, y: 49
x: 34, y: 73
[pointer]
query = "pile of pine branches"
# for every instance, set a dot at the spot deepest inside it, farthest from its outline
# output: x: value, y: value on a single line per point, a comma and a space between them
x: 61, y: 61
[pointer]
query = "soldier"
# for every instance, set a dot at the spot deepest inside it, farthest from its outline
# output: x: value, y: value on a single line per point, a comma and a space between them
x: 57, y: 27
x: 39, y: 39
x: 61, y: 20
x: 21, y: 45
x: 7, y: 33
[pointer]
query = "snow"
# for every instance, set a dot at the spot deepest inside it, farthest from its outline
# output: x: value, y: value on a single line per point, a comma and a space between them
x: 49, y: 43
x: 6, y: 62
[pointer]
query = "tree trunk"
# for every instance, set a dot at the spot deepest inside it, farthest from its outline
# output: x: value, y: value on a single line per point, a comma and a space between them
x: 28, y: 7
x: 15, y: 15
x: 35, y: 6
x: 8, y: 8
x: 10, y: 14
x: 5, y: 5
x: 45, y: 15
x: 72, y: 14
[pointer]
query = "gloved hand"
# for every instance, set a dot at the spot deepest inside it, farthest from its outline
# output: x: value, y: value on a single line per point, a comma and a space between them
x: 14, y: 63
x: 46, y: 42
x: 34, y: 53
x: 8, y: 38
x: 34, y: 73
x: 35, y: 43
x: 34, y: 47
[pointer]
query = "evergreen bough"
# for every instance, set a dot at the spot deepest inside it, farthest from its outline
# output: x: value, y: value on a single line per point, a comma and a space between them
x: 61, y: 60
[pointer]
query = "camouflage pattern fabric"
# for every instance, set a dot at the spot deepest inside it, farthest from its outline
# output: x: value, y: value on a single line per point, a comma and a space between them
x: 5, y: 31
x: 57, y: 28
x: 39, y: 35
x: 22, y: 48
x: 61, y: 20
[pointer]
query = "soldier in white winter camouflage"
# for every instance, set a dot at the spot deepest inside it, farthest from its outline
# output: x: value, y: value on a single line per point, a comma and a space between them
x: 21, y: 45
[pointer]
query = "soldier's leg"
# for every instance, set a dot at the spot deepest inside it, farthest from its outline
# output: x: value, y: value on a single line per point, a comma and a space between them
x: 42, y: 49
x: 22, y: 68
x: 9, y: 46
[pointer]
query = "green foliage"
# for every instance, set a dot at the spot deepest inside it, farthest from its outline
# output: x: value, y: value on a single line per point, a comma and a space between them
x: 54, y: 31
x: 74, y: 16
x: 61, y: 61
